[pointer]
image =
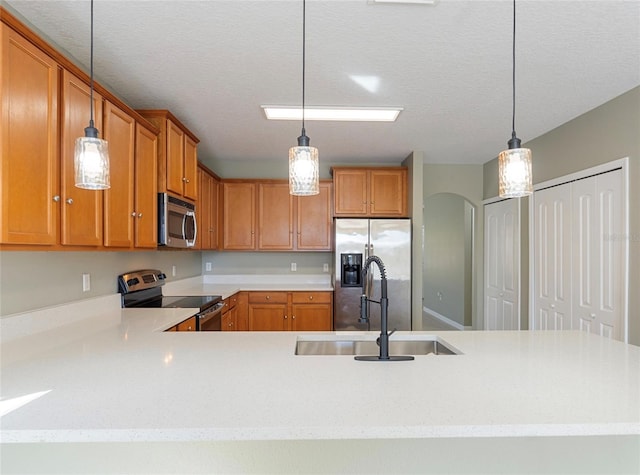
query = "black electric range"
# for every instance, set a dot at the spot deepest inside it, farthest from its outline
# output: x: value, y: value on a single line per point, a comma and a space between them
x: 143, y: 289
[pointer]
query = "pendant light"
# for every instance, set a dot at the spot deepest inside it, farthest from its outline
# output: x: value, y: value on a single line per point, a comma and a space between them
x: 514, y: 164
x: 304, y: 177
x: 91, y: 155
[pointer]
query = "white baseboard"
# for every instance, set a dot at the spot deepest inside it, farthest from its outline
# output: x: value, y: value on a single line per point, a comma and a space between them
x: 445, y: 320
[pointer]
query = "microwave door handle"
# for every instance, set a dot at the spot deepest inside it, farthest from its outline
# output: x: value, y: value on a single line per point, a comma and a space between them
x: 190, y: 214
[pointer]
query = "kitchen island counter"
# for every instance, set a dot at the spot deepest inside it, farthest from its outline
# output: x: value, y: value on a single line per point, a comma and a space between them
x: 122, y: 380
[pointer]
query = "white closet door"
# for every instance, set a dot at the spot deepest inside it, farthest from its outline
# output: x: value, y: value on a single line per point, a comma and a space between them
x: 502, y: 265
x: 598, y: 287
x: 552, y: 259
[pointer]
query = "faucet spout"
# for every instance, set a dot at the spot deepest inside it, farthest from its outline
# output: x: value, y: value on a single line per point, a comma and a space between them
x: 384, y: 309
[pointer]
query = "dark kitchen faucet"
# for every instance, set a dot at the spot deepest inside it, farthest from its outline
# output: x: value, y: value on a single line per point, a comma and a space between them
x: 383, y: 340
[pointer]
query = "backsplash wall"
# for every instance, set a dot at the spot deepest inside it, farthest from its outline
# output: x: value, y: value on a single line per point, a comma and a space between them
x: 266, y: 262
x: 31, y: 280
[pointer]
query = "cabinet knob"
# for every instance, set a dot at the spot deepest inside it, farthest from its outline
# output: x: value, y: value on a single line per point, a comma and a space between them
x: 133, y: 214
x: 285, y: 317
x: 268, y: 297
x: 552, y: 305
x: 56, y: 198
x: 139, y: 215
x: 69, y: 201
x: 310, y: 297
x: 189, y: 328
x: 293, y: 317
x: 184, y: 179
x: 592, y: 316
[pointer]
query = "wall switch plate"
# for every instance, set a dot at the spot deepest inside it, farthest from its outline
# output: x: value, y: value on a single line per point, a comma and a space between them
x: 86, y: 282
x: 207, y: 266
x: 174, y: 271
x: 294, y: 267
x: 325, y: 267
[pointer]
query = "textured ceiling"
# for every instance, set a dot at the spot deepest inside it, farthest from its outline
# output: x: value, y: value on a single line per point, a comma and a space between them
x: 213, y: 63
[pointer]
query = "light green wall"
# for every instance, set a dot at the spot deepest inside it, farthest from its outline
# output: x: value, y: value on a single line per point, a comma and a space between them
x: 447, y: 259
x: 30, y: 280
x: 266, y: 262
x: 414, y: 164
x: 608, y: 132
x: 466, y: 181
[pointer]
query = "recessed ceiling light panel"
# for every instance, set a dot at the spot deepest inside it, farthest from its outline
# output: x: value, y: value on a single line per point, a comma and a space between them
x: 407, y: 2
x: 354, y: 114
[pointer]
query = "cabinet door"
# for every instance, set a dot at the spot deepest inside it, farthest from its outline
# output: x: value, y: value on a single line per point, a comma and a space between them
x: 275, y: 217
x: 202, y: 210
x: 29, y: 173
x: 239, y: 216
x: 146, y: 197
x: 311, y: 317
x: 388, y: 193
x: 119, y: 131
x: 175, y: 158
x: 268, y: 317
x: 242, y: 315
x: 81, y: 222
x: 350, y: 192
x: 190, y: 178
x: 314, y: 230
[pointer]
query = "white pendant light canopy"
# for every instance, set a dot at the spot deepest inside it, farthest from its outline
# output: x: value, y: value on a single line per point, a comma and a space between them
x: 91, y: 154
x: 514, y: 164
x: 304, y: 176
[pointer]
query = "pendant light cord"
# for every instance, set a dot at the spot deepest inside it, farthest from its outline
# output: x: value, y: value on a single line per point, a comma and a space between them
x: 304, y: 35
x: 513, y: 79
x: 91, y: 124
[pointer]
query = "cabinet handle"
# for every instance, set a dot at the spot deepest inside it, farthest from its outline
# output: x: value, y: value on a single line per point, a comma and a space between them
x: 56, y: 198
x: 69, y: 201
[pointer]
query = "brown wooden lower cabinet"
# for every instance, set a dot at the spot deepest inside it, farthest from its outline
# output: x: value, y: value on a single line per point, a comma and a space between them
x: 290, y: 311
x: 234, y: 315
x: 189, y: 325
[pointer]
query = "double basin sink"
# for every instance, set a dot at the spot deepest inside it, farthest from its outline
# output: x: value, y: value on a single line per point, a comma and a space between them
x: 332, y: 345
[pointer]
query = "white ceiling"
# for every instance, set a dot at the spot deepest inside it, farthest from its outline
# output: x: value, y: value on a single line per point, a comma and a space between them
x: 213, y: 63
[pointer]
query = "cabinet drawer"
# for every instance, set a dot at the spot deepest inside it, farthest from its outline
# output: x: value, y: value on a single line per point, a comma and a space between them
x: 230, y: 302
x: 189, y: 325
x: 267, y: 297
x: 311, y: 297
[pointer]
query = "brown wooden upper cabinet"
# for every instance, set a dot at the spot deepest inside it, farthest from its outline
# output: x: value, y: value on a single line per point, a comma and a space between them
x: 262, y: 215
x: 376, y: 192
x: 207, y: 209
x: 177, y: 155
x: 30, y: 146
x: 40, y: 204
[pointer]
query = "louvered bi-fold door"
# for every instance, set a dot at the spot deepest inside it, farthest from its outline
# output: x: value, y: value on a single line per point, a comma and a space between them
x: 597, y: 251
x: 552, y: 258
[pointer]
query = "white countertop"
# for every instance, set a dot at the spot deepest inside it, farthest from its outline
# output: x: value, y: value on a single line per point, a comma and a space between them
x: 115, y: 377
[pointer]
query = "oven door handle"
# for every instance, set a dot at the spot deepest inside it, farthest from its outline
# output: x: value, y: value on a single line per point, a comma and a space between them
x: 209, y: 314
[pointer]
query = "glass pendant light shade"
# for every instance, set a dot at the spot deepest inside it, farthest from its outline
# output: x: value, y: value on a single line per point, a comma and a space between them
x: 514, y: 171
x: 514, y: 164
x: 91, y: 154
x: 304, y: 176
x: 91, y: 161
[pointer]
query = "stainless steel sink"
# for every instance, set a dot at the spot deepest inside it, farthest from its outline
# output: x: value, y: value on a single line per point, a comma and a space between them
x: 432, y: 345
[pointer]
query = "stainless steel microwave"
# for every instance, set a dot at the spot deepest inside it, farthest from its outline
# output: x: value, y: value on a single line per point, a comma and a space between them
x: 176, y: 222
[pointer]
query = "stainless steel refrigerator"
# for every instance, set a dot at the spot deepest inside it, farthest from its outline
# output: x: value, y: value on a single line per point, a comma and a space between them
x: 356, y: 240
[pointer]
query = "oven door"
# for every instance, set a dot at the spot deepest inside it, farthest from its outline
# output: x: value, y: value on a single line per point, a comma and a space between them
x: 211, y: 319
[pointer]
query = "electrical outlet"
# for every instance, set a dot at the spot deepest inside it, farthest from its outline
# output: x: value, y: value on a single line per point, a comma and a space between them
x: 294, y: 267
x: 174, y: 271
x: 86, y: 282
x: 207, y: 266
x: 325, y: 267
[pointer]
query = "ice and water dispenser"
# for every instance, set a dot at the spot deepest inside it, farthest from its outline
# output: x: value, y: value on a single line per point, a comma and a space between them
x: 351, y: 270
